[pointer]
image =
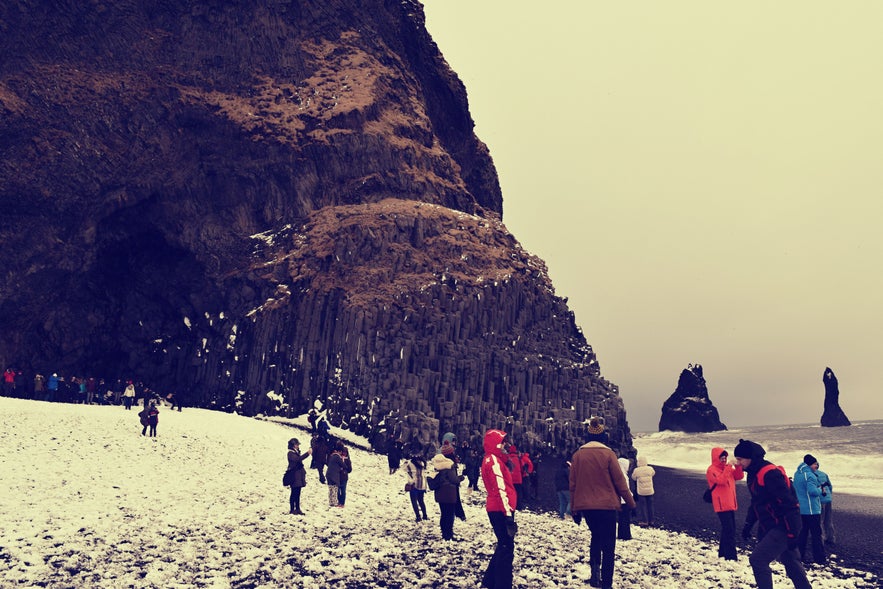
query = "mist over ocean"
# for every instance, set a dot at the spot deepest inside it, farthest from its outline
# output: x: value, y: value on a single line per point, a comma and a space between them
x: 852, y: 456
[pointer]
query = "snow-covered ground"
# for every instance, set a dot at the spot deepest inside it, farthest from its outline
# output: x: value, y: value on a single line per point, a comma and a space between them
x: 86, y: 501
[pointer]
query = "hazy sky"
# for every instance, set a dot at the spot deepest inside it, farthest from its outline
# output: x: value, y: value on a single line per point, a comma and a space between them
x: 704, y: 182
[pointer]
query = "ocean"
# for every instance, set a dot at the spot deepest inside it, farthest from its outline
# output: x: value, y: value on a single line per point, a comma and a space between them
x: 851, y: 456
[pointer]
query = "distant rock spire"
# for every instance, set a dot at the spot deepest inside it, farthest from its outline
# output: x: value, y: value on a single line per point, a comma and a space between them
x: 689, y: 409
x: 833, y: 415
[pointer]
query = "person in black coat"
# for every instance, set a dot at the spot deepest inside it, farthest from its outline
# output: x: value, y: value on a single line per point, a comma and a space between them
x: 296, y: 474
x: 446, y: 485
x: 774, y: 508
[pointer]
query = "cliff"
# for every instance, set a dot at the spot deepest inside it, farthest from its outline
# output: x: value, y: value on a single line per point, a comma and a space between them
x: 258, y: 204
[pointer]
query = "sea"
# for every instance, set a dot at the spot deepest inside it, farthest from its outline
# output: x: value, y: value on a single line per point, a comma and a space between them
x: 852, y: 456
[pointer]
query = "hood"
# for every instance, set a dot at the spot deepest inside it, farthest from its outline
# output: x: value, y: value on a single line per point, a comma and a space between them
x: 642, y: 461
x: 804, y: 467
x: 441, y: 462
x: 623, y: 463
x: 525, y: 455
x: 715, y: 454
x: 513, y: 449
x: 493, y: 441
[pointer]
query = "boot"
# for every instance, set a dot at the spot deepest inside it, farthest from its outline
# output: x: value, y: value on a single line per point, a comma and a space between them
x: 595, y: 579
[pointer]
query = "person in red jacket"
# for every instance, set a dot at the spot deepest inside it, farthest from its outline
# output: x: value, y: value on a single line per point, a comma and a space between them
x: 500, y: 505
x: 722, y: 476
x: 514, y: 465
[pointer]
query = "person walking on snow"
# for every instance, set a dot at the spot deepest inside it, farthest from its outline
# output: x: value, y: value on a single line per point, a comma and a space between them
x: 722, y: 475
x: 500, y: 506
x: 596, y: 487
x: 415, y: 469
x: 774, y: 509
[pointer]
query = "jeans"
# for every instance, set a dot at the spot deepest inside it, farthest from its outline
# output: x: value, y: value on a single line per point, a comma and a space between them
x: 645, y: 508
x: 417, y: 503
x: 498, y: 574
x: 602, y: 549
x: 563, y: 503
x: 727, y: 548
x: 341, y: 493
x: 773, y: 546
x: 828, y: 534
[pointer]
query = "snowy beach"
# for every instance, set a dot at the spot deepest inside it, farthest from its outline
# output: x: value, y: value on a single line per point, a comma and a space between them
x: 89, y: 502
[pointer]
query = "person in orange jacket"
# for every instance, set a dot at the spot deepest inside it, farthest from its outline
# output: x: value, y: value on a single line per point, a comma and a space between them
x: 722, y: 475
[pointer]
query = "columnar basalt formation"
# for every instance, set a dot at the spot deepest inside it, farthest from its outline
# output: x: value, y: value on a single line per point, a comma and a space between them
x: 261, y: 203
x: 833, y: 415
x: 689, y: 408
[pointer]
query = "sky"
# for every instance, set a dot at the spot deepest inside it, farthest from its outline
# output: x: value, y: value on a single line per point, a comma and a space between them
x: 703, y: 181
x: 89, y: 502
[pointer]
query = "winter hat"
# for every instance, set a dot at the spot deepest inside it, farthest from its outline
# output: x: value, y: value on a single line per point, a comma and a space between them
x: 809, y: 460
x: 596, y: 431
x: 748, y: 449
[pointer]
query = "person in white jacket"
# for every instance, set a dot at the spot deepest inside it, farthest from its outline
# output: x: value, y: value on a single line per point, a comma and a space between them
x: 624, y: 529
x: 643, y: 475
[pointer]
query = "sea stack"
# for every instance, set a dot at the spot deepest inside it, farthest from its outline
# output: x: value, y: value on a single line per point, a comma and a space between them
x: 833, y: 416
x: 689, y: 409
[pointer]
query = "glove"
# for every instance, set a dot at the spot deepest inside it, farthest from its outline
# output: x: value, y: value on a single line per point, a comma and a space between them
x: 511, y: 526
x: 792, y: 542
x: 746, y: 533
x: 577, y: 517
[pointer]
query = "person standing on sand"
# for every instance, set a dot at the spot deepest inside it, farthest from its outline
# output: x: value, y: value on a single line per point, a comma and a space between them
x: 774, y: 509
x: 809, y: 495
x: 643, y: 476
x: 596, y: 486
x: 722, y: 476
x: 828, y: 534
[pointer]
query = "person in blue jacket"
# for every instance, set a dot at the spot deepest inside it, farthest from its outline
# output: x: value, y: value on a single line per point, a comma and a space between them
x: 828, y: 534
x: 809, y: 496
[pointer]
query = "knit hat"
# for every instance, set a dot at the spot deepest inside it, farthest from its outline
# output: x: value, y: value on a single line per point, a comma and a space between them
x: 809, y: 460
x: 596, y: 431
x: 748, y: 449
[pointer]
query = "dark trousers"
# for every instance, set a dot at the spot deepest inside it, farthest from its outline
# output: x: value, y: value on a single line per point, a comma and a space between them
x: 774, y: 546
x: 602, y: 524
x: 624, y: 529
x: 499, y: 570
x: 727, y: 548
x: 519, y: 495
x: 341, y: 492
x: 812, y: 526
x: 417, y: 503
x: 294, y: 500
x: 446, y: 521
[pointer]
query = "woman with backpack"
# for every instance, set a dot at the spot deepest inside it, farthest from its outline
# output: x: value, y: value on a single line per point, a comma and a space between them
x: 446, y: 485
x: 722, y: 475
x: 415, y: 468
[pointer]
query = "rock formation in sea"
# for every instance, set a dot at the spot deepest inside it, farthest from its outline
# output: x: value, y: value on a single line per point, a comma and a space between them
x: 257, y: 204
x: 833, y: 415
x: 689, y: 409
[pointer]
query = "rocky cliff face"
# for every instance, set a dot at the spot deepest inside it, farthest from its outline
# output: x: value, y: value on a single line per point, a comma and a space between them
x: 689, y: 408
x: 262, y: 203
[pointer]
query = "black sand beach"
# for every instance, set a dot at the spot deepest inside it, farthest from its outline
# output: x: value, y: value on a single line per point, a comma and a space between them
x: 858, y: 519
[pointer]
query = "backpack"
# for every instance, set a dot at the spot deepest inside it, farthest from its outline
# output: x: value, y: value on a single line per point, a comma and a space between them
x: 707, y: 495
x: 433, y: 483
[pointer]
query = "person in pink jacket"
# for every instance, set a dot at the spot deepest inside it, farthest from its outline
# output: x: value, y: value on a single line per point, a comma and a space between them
x: 502, y: 500
x: 722, y: 475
